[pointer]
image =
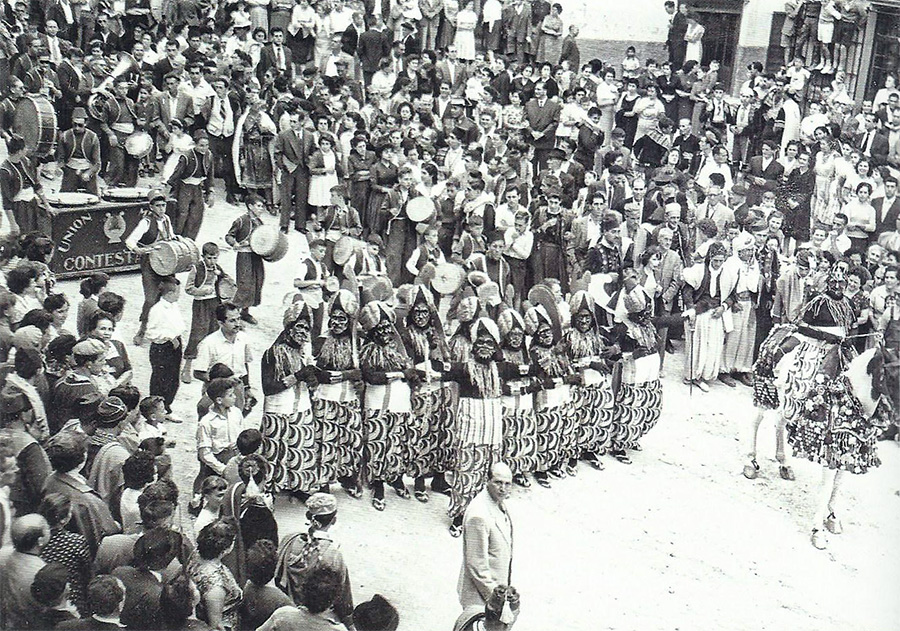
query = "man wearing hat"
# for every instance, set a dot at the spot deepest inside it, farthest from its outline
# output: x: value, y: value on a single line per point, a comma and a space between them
x: 154, y: 226
x: 566, y: 182
x: 456, y: 122
x: 191, y: 185
x: 119, y: 120
x: 90, y: 364
x: 105, y: 453
x: 78, y: 152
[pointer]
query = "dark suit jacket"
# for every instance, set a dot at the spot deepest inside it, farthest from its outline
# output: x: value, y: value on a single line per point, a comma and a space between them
x: 501, y: 83
x: 160, y: 70
x: 543, y: 119
x: 372, y: 47
x: 349, y: 40
x: 886, y: 218
x: 771, y: 174
x: 159, y: 115
x: 267, y: 60
x: 458, y: 85
x: 880, y: 147
x: 294, y: 148
x: 73, y: 92
x: 66, y: 31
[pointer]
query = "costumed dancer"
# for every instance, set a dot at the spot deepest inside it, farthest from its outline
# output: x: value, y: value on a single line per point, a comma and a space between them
x: 790, y: 360
x: 288, y: 427
x: 519, y: 423
x: 639, y: 396
x: 465, y: 311
x: 592, y: 396
x: 191, y: 185
x: 479, y: 417
x: 553, y: 399
x: 387, y: 372
x: 253, y: 149
x: 336, y: 404
x: 842, y: 417
x: 431, y: 426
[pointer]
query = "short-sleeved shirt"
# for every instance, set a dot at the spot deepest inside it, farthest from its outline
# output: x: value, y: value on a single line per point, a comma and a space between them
x: 217, y: 432
x: 215, y: 349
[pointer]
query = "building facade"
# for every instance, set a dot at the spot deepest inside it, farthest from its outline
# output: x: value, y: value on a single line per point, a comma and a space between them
x: 742, y: 31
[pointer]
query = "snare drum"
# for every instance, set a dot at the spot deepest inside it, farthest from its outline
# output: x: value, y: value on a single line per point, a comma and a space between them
x: 139, y: 144
x: 127, y: 194
x: 71, y: 199
x: 35, y: 121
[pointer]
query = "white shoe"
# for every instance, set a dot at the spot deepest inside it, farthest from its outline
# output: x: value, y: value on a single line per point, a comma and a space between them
x: 701, y: 385
x: 818, y: 66
x: 818, y: 539
x: 828, y: 69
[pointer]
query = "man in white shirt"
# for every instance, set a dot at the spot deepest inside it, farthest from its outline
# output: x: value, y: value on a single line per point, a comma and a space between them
x: 53, y: 42
x: 198, y: 90
x: 714, y: 208
x: 226, y: 346
x: 220, y: 127
x: 165, y: 328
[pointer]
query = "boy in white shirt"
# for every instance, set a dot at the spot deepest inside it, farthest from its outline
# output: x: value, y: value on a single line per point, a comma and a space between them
x: 165, y: 328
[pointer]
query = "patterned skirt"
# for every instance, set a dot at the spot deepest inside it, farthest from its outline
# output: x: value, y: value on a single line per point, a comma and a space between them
x: 557, y: 434
x: 593, y: 409
x: 289, y: 445
x: 385, y: 435
x: 477, y: 446
x: 638, y: 408
x: 520, y: 442
x: 429, y: 443
x: 832, y: 429
x: 339, y: 437
x: 638, y: 400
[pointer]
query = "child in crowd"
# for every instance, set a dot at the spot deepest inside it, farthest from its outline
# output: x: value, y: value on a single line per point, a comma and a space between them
x: 249, y: 271
x: 165, y: 328
x: 217, y: 433
x: 149, y: 423
x: 213, y: 493
x: 216, y: 371
x: 249, y: 442
x: 202, y: 286
x: 90, y: 288
x: 631, y: 65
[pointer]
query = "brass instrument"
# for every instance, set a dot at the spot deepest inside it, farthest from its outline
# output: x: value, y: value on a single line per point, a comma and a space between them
x: 99, y: 94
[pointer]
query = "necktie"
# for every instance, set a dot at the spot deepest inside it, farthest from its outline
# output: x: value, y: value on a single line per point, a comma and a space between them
x: 279, y: 58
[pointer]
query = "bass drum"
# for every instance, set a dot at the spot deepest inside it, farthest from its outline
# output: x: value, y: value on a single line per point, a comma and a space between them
x: 174, y: 256
x: 35, y: 121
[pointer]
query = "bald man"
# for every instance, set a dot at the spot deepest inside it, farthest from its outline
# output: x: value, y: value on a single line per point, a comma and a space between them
x: 487, y: 541
x: 18, y: 609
